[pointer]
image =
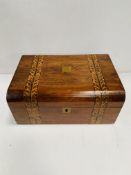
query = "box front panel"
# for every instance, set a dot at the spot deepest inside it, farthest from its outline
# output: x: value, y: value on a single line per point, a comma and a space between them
x: 64, y: 114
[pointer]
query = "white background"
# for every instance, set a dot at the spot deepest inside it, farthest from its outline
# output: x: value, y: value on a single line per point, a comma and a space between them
x: 65, y: 149
x: 65, y: 27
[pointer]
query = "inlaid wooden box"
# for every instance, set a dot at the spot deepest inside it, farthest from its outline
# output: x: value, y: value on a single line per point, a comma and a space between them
x: 65, y: 89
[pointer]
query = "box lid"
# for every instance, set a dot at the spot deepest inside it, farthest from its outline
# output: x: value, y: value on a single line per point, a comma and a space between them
x: 76, y: 79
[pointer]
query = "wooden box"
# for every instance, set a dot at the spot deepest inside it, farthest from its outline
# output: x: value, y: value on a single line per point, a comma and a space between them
x: 65, y: 89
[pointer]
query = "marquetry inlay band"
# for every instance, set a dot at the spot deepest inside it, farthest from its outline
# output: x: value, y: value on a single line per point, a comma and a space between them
x: 30, y: 93
x: 101, y: 98
x: 31, y: 90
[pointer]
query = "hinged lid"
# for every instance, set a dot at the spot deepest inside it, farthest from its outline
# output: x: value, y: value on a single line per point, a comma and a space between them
x: 75, y: 79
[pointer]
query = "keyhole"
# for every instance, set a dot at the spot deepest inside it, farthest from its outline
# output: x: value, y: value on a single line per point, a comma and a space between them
x: 66, y: 110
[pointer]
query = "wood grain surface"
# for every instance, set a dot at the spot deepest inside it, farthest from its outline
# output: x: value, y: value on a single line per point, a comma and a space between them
x: 71, y: 89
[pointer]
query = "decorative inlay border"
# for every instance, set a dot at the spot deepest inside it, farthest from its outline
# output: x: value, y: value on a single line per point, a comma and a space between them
x: 30, y: 93
x: 99, y: 84
x: 96, y: 86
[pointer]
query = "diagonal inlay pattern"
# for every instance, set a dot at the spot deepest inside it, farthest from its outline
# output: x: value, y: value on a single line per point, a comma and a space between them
x: 31, y: 90
x: 101, y: 98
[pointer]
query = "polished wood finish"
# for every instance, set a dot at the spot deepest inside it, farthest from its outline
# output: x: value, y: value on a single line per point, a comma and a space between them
x: 65, y: 89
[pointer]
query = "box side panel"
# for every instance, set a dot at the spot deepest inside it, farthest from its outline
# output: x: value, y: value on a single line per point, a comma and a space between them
x: 19, y: 112
x: 110, y: 115
x: 18, y: 82
x: 15, y: 90
x: 110, y: 74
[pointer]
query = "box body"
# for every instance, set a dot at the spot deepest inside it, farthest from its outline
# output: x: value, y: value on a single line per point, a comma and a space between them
x: 65, y: 89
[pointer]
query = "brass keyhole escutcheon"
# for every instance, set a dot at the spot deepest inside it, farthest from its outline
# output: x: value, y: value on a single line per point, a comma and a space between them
x: 66, y: 110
